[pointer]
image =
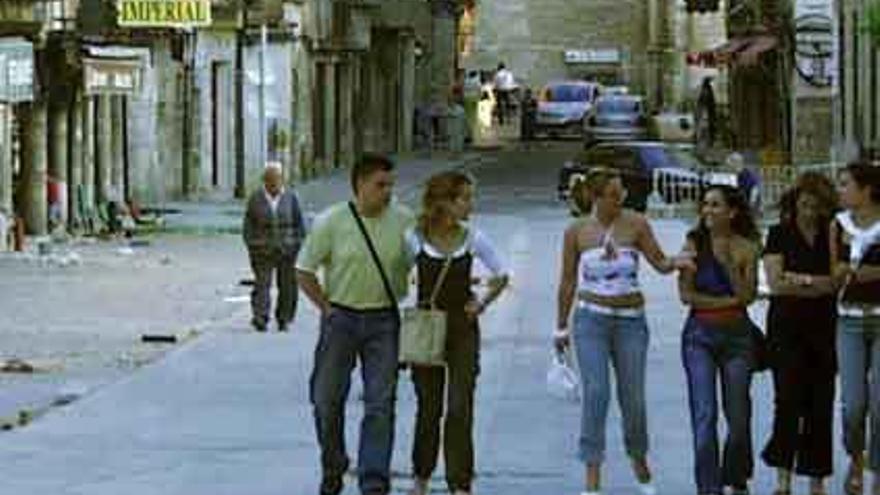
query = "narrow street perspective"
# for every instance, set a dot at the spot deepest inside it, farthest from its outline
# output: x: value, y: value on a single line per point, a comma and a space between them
x: 475, y: 247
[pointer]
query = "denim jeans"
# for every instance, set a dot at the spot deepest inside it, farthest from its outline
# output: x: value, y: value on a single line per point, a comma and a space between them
x: 710, y: 353
x: 372, y: 337
x: 858, y: 355
x: 601, y: 340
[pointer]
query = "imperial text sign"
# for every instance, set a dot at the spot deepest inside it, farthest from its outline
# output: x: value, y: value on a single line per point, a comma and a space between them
x: 164, y: 13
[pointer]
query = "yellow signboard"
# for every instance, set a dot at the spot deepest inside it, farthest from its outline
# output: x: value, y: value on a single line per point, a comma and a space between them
x: 163, y: 13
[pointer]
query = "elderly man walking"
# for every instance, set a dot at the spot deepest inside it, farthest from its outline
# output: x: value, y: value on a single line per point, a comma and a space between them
x: 273, y: 232
x: 359, y: 248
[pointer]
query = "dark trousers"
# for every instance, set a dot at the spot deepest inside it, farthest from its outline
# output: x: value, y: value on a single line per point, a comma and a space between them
x: 708, y: 354
x: 803, y: 381
x: 263, y: 264
x: 503, y: 103
x: 373, y: 338
x: 431, y: 386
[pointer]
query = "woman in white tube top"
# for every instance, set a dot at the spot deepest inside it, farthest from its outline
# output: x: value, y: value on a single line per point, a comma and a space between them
x: 600, y: 265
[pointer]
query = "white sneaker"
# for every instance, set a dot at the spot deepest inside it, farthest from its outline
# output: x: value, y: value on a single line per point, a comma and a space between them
x: 420, y: 487
x: 647, y: 488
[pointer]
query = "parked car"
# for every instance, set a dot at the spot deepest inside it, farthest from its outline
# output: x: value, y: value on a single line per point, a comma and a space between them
x: 683, y: 176
x: 563, y: 106
x: 673, y: 126
x: 616, y: 117
x: 614, y: 90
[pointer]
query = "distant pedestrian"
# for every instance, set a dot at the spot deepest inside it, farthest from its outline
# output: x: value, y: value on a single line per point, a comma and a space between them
x: 505, y: 85
x: 471, y: 90
x: 707, y: 111
x: 600, y: 266
x: 54, y: 199
x: 273, y: 232
x: 359, y: 320
x: 747, y: 181
x: 485, y: 109
x: 801, y: 330
x: 717, y: 342
x: 528, y: 116
x: 855, y: 251
x: 442, y: 243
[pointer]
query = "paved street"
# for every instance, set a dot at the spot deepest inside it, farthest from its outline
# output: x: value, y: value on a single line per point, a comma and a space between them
x: 227, y: 412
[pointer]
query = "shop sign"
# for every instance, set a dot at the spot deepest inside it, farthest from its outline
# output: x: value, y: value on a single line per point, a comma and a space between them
x: 163, y: 13
x: 16, y: 71
x: 593, y: 56
x: 111, y: 76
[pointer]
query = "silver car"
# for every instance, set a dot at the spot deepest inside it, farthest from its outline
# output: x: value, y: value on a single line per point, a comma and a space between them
x: 563, y: 106
x: 615, y: 118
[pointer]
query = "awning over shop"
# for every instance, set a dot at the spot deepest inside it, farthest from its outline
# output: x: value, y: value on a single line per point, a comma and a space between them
x: 741, y: 50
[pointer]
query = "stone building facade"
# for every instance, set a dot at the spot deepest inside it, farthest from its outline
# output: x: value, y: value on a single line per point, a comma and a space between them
x: 160, y: 113
x: 608, y: 40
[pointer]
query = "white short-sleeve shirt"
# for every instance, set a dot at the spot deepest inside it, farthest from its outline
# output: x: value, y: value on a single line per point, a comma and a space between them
x: 477, y: 243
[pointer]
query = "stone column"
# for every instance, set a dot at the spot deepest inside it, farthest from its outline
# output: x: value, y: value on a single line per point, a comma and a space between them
x: 346, y: 111
x: 329, y: 109
x: 6, y: 160
x: 88, y: 152
x: 34, y: 168
x: 105, y: 148
x: 75, y: 158
x: 407, y: 92
x: 117, y: 170
x: 443, y: 22
x: 58, y: 156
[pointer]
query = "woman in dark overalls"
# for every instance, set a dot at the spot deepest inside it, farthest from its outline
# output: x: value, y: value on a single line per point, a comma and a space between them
x: 717, y: 339
x: 801, y: 323
x: 442, y: 235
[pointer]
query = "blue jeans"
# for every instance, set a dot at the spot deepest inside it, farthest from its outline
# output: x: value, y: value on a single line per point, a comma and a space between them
x: 709, y: 353
x: 858, y: 355
x: 623, y: 342
x: 372, y: 337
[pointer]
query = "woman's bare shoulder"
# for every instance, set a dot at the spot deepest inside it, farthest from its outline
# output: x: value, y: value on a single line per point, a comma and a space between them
x: 745, y: 247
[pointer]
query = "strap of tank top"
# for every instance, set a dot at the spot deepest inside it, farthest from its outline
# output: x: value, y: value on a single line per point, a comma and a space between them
x: 439, y: 283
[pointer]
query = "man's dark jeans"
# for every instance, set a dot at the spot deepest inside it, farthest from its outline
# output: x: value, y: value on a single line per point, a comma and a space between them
x: 710, y: 353
x: 372, y: 337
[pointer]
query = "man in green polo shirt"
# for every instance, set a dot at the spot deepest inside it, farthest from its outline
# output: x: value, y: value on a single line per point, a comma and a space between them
x: 358, y: 321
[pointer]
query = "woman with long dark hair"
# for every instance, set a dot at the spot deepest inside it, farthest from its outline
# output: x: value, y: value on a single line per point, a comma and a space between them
x: 855, y: 253
x: 442, y: 236
x: 600, y: 266
x: 717, y: 338
x: 801, y: 323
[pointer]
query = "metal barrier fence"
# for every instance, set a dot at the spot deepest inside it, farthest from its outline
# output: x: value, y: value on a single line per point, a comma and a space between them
x: 677, y: 192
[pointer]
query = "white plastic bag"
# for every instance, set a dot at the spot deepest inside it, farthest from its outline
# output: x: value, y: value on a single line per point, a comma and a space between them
x: 562, y: 380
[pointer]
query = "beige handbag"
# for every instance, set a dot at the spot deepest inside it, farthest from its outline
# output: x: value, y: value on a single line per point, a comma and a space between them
x: 423, y: 331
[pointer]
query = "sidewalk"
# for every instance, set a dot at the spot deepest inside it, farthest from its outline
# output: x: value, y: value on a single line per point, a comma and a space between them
x: 78, y: 313
x: 314, y: 195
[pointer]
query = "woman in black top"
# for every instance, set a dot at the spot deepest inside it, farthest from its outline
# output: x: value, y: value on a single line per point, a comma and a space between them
x: 855, y: 251
x: 800, y: 324
x: 445, y: 395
